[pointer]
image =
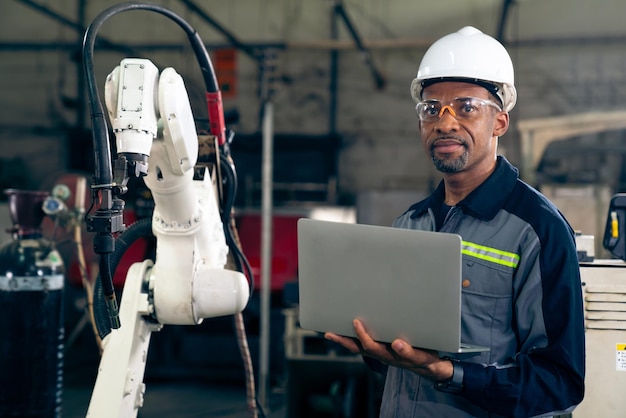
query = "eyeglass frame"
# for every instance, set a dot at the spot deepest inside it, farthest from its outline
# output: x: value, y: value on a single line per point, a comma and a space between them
x: 450, y: 107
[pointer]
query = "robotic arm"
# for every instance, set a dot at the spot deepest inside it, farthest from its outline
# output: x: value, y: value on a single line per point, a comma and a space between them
x: 152, y: 121
x: 186, y: 221
x: 156, y: 139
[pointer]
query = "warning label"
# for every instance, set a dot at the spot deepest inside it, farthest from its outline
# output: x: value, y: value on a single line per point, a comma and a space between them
x: 620, y: 357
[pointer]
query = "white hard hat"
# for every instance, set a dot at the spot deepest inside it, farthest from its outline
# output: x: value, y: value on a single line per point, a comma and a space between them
x: 472, y: 56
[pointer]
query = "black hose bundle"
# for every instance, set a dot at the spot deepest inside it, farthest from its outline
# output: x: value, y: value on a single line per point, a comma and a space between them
x: 139, y: 229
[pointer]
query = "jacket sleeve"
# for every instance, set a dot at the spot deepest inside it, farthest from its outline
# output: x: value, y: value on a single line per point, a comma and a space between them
x: 547, y: 373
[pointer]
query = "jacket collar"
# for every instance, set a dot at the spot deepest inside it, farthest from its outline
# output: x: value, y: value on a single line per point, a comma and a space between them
x: 482, y: 203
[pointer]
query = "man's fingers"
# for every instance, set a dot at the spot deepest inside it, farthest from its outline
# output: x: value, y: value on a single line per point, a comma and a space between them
x: 349, y: 343
x: 362, y: 334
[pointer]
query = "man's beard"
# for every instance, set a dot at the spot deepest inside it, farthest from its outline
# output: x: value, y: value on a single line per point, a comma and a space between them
x: 449, y: 165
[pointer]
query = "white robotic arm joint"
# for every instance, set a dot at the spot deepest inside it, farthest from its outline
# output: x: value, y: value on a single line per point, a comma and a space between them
x: 130, y: 97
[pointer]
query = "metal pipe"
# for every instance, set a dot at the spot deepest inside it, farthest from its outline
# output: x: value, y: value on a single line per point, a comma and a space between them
x: 318, y: 44
x: 221, y: 29
x: 81, y: 83
x: 506, y: 6
x: 54, y: 15
x: 341, y: 11
x: 267, y: 69
x: 266, y: 247
x: 76, y: 26
x: 332, y: 86
x: 159, y: 46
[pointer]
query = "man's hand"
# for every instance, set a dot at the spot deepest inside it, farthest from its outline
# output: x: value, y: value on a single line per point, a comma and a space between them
x: 399, y: 353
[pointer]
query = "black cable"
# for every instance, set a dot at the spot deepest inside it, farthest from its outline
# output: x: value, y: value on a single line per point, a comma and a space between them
x: 139, y: 229
x: 230, y: 181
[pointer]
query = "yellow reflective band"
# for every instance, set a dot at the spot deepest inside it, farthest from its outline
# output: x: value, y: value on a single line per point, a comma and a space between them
x: 492, y: 255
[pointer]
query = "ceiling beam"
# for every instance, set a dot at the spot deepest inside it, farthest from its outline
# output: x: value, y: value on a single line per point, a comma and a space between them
x: 76, y: 26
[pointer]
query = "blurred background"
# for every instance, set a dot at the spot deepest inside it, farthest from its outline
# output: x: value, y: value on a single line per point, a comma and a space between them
x: 345, y: 141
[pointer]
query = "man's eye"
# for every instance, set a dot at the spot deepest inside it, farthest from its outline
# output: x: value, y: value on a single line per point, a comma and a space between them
x: 431, y: 109
x: 467, y: 107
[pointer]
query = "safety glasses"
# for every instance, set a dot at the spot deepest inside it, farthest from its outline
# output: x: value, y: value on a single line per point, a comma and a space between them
x: 467, y: 108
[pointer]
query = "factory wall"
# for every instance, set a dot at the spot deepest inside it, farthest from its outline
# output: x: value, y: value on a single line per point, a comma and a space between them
x: 569, y: 57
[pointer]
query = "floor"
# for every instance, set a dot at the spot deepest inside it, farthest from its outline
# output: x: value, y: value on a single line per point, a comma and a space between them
x: 194, y: 387
x: 197, y: 371
x: 179, y: 399
x: 302, y: 389
x: 192, y: 371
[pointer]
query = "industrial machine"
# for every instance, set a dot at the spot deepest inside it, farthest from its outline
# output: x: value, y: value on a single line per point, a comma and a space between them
x: 604, y: 293
x: 188, y: 281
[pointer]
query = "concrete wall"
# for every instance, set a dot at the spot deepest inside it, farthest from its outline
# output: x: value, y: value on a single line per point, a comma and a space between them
x: 380, y: 148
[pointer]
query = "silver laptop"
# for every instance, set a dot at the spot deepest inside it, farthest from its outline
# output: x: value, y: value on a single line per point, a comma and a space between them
x: 401, y: 283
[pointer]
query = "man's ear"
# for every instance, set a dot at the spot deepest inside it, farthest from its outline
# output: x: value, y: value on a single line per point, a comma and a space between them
x: 501, y: 124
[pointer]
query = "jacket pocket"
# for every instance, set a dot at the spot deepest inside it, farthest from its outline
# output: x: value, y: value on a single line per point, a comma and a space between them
x: 487, y: 307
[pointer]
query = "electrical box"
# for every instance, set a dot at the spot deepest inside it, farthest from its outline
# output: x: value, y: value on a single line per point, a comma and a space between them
x: 604, y: 293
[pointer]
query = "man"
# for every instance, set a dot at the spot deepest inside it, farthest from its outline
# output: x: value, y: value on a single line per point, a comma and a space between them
x: 521, y: 280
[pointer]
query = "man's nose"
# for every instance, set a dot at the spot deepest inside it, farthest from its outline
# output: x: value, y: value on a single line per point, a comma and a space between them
x: 446, y: 123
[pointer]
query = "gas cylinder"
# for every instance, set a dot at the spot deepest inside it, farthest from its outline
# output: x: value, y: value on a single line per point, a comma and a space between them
x: 31, y: 324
